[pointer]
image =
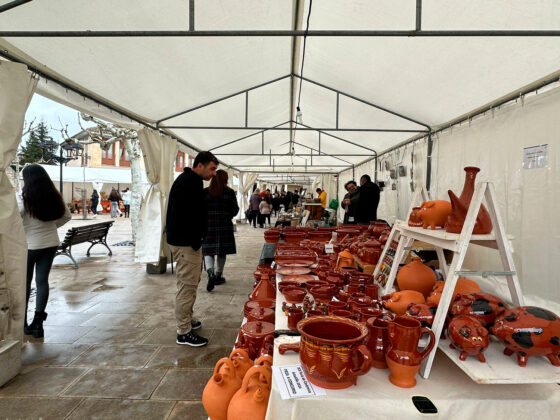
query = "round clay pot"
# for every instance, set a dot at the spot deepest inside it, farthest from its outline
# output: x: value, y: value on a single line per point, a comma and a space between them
x: 372, y: 291
x: 262, y: 303
x: 323, y: 294
x: 331, y: 351
x: 416, y: 276
x: 294, y: 294
x: 399, y: 301
x: 363, y: 278
x: 342, y: 313
x: 251, y: 400
x: 294, y: 316
x: 314, y: 312
x: 403, y: 357
x: 253, y: 335
x: 285, y: 283
x: 261, y: 314
x: 334, y: 305
x: 362, y: 314
x: 241, y: 361
x: 219, y: 390
x: 312, y: 283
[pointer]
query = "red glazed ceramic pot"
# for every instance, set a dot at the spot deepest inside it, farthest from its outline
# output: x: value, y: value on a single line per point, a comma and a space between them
x: 312, y: 283
x: 372, y: 291
x: 416, y: 276
x: 263, y: 290
x: 334, y: 305
x: 378, y: 342
x: 364, y: 313
x: 261, y: 314
x: 403, y: 357
x: 294, y: 316
x: 468, y: 336
x: 323, y: 294
x: 253, y: 336
x: 343, y: 313
x: 263, y: 303
x: 314, y: 312
x: 529, y: 331
x: 294, y: 294
x: 331, y: 351
x: 285, y: 283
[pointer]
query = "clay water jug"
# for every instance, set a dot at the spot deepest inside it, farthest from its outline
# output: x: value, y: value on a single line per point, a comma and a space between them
x: 219, y: 390
x: 263, y: 290
x: 403, y: 357
x: 378, y: 342
x: 251, y: 400
x: 241, y: 361
x: 460, y: 206
x: 416, y: 276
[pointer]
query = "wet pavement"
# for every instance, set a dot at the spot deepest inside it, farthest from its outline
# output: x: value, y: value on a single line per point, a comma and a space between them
x: 109, y: 349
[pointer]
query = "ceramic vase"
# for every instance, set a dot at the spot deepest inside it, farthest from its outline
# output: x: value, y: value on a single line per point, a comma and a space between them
x: 251, y: 400
x: 403, y: 357
x: 416, y: 276
x: 460, y: 206
x: 219, y: 390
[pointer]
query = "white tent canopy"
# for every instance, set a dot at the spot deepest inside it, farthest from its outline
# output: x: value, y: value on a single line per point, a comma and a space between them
x: 243, y: 86
x: 103, y: 175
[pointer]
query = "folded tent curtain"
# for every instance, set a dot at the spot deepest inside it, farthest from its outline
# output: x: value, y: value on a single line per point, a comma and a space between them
x: 17, y: 85
x: 247, y: 188
x: 159, y: 159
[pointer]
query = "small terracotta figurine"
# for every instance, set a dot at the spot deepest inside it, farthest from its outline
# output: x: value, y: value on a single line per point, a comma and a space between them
x: 469, y: 336
x: 434, y: 213
x: 482, y: 306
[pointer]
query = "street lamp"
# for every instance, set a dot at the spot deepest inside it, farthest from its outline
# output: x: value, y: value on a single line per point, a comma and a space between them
x: 73, y: 151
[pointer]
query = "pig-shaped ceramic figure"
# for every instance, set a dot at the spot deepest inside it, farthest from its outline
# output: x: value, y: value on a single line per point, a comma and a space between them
x: 529, y: 331
x: 423, y: 312
x: 469, y: 336
x: 434, y: 213
x: 482, y: 306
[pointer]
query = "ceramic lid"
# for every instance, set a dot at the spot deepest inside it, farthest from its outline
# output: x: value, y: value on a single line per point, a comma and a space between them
x: 258, y: 328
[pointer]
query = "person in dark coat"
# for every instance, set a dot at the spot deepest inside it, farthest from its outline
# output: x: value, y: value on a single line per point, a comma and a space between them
x: 349, y: 208
x: 94, y: 202
x: 254, y: 202
x: 275, y: 204
x: 222, y: 206
x: 366, y: 201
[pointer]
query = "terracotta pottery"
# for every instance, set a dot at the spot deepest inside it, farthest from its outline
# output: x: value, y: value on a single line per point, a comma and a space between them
x: 321, y: 236
x: 241, y: 361
x: 251, y: 400
x: 403, y: 357
x: 342, y: 295
x: 323, y: 294
x: 416, y: 276
x: 312, y: 283
x: 261, y: 314
x: 314, y: 312
x: 363, y: 278
x: 414, y: 219
x: 372, y: 291
x: 345, y: 259
x: 335, y: 277
x: 362, y: 314
x: 252, y: 337
x: 331, y: 351
x: 300, y: 279
x: 294, y: 237
x: 219, y: 390
x: 423, y: 312
x: 371, y: 251
x: 285, y: 283
x: 468, y: 336
x: 464, y: 286
x: 529, y: 331
x: 355, y: 303
x: 263, y: 290
x: 293, y: 271
x: 384, y: 236
x: 398, y: 301
x: 482, y: 306
x: 434, y: 213
x: 375, y: 228
x: 294, y: 294
x: 294, y: 316
x: 334, y: 305
x: 262, y: 303
x: 264, y: 361
x: 378, y: 342
x: 343, y: 313
x: 460, y: 205
x: 354, y: 288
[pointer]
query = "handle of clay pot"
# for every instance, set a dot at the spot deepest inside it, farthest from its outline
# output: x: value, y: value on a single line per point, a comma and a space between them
x: 256, y: 370
x: 430, y: 345
x: 220, y: 362
x: 366, y: 363
x: 283, y: 348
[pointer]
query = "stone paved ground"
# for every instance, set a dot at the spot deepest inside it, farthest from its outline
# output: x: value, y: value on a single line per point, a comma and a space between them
x: 109, y: 349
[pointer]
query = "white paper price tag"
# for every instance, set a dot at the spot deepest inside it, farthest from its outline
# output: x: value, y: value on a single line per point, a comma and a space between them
x: 329, y: 249
x: 293, y: 383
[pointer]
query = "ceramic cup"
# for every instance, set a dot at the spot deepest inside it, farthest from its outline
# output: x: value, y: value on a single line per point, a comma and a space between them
x: 334, y: 305
x: 372, y: 290
x: 294, y: 316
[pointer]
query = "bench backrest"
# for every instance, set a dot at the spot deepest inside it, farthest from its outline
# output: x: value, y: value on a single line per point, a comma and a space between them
x: 81, y: 234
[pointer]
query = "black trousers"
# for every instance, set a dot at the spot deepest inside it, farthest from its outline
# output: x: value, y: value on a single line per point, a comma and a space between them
x: 256, y: 215
x: 40, y: 261
x: 127, y: 210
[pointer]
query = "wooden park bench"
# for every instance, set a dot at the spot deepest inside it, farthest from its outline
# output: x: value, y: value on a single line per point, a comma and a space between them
x: 95, y: 234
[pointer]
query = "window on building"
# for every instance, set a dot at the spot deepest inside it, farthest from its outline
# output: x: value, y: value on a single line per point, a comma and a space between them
x: 180, y: 162
x: 108, y: 156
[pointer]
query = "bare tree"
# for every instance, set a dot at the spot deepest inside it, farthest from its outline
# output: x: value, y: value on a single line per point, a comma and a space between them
x: 27, y: 127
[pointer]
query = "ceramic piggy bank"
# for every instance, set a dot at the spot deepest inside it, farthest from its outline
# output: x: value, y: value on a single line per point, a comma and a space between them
x: 434, y: 213
x: 529, y: 331
x: 482, y: 306
x: 469, y: 336
x: 423, y: 312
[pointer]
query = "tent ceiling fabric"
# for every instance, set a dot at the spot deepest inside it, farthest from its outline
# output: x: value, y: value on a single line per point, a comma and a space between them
x: 430, y: 80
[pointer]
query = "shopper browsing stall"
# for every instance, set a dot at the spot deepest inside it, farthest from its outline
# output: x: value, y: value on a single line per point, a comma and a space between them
x: 186, y: 226
x: 322, y: 195
x: 221, y: 205
x: 365, y: 200
x: 349, y: 208
x: 254, y: 202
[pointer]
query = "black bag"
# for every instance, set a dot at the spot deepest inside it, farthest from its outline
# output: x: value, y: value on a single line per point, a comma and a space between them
x: 249, y: 215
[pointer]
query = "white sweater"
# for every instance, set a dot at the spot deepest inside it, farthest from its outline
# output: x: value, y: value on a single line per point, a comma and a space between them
x: 40, y: 234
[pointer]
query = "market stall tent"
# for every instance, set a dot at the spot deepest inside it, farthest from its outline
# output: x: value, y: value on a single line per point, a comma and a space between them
x: 375, y: 82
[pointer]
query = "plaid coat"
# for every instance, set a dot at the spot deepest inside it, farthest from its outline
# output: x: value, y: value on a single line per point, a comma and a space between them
x: 219, y: 239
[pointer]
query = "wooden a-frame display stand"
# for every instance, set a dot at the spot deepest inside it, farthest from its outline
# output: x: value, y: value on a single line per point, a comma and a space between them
x: 498, y: 367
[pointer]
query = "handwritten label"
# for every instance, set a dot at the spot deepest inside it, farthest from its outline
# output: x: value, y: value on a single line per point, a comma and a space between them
x: 329, y: 249
x: 293, y: 383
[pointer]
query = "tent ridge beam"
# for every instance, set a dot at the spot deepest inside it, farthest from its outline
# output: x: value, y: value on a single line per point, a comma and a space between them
x: 158, y: 122
x: 292, y: 166
x: 323, y: 153
x: 297, y: 154
x: 216, y: 127
x: 281, y: 33
x: 362, y: 101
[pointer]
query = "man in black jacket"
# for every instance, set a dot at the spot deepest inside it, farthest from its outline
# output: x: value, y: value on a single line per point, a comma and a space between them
x: 185, y: 228
x: 365, y: 201
x: 352, y: 188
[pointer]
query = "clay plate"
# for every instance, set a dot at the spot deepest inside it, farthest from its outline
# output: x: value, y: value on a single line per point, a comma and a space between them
x: 296, y: 264
x: 291, y: 271
x: 302, y: 279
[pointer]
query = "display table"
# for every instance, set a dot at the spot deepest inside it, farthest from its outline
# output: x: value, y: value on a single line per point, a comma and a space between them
x: 454, y: 394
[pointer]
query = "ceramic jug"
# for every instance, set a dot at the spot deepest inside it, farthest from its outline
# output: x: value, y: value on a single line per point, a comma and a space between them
x: 251, y: 400
x: 219, y: 390
x: 403, y: 357
x: 460, y: 206
x: 241, y: 361
x: 416, y: 276
x: 378, y: 342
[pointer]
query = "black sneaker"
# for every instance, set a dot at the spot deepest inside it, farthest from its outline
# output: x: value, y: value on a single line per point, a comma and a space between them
x: 195, y: 325
x: 191, y: 339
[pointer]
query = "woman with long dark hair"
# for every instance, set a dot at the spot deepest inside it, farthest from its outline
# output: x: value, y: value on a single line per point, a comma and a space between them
x: 94, y: 202
x: 221, y: 205
x: 43, y: 211
x: 114, y: 198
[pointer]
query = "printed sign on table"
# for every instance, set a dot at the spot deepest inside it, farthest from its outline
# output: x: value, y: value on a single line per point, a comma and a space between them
x: 292, y: 383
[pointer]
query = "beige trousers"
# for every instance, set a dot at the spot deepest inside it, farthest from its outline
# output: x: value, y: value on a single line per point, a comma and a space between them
x: 189, y: 267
